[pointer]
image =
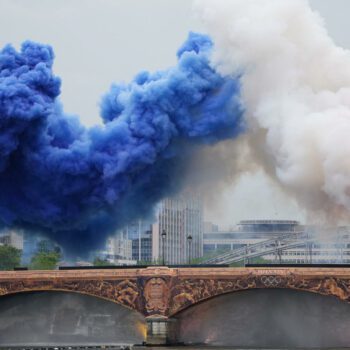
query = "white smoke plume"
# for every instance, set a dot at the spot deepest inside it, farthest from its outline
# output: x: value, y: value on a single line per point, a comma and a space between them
x: 296, y: 91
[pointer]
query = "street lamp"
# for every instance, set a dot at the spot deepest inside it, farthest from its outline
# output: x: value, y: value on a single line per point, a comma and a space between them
x: 163, y: 246
x: 189, y: 240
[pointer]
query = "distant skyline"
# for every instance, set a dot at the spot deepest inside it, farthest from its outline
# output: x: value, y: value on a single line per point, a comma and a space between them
x: 98, y: 42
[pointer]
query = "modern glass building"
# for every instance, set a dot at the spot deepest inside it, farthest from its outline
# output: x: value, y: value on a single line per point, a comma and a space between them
x: 140, y: 234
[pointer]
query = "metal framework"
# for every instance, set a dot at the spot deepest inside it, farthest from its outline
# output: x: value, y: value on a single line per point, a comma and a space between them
x: 270, y: 246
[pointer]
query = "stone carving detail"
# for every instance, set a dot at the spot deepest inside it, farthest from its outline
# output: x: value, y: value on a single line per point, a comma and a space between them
x: 156, y: 293
x: 271, y: 281
x: 3, y: 291
x: 125, y: 292
x: 323, y: 285
x: 190, y: 291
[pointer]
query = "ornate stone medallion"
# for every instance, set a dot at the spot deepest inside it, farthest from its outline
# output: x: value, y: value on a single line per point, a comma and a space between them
x: 156, y: 294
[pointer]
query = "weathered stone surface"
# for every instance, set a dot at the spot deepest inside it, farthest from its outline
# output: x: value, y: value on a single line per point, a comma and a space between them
x: 161, y: 291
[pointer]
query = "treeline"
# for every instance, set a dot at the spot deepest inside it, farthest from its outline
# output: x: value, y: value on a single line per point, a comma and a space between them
x: 45, y: 258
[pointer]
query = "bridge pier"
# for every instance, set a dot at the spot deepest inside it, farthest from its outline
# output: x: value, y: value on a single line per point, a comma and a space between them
x: 161, y: 331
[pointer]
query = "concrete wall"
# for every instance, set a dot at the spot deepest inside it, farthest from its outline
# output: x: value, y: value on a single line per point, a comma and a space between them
x: 67, y: 318
x: 267, y: 318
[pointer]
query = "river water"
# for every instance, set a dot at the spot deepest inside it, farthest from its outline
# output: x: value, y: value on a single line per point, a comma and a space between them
x: 261, y: 319
x: 151, y: 348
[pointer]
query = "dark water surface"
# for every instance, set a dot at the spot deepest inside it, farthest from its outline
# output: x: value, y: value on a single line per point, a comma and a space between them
x: 156, y: 348
x: 257, y: 319
x: 268, y: 318
x: 226, y: 348
x: 66, y: 319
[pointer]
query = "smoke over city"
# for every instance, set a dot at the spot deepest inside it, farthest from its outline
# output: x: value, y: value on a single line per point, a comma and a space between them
x: 296, y: 92
x: 78, y: 185
x: 272, y: 58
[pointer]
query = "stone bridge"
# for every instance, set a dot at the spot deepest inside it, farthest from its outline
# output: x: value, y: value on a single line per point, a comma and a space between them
x: 159, y: 293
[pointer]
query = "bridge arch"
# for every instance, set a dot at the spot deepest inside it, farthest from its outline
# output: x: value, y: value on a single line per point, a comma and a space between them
x: 61, y: 317
x: 123, y: 292
x: 271, y: 318
x: 188, y: 292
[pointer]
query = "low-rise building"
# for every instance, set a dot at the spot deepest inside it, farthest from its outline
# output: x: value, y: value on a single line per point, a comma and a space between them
x: 323, y: 245
x: 248, y: 232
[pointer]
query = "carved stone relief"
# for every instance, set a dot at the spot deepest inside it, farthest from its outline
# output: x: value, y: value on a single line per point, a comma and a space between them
x: 156, y: 293
x: 190, y: 291
x: 124, y: 292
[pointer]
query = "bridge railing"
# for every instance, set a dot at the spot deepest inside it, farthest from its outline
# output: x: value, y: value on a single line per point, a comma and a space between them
x: 272, y: 250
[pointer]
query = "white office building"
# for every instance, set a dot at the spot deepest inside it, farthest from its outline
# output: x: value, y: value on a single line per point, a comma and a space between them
x: 118, y: 248
x: 178, y: 232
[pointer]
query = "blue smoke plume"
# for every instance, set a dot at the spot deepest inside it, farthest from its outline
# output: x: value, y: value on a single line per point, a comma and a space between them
x: 78, y: 185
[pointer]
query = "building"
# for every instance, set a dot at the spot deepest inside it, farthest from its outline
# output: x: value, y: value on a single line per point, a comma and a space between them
x: 117, y: 248
x: 324, y: 245
x: 140, y: 234
x: 210, y: 227
x: 12, y: 237
x: 247, y: 232
x: 178, y: 232
x: 130, y: 245
x: 327, y: 246
x: 272, y: 227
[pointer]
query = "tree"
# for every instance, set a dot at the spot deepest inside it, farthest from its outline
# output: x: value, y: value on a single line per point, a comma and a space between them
x: 10, y: 257
x: 237, y: 264
x: 45, y: 260
x: 150, y: 263
x: 102, y: 262
x: 260, y: 260
x: 208, y: 255
x: 47, y: 256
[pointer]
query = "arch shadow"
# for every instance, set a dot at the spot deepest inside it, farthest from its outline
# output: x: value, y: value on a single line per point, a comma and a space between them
x: 266, y: 318
x: 67, y: 318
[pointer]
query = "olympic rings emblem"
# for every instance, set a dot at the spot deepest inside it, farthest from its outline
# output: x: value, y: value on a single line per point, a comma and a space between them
x: 271, y: 281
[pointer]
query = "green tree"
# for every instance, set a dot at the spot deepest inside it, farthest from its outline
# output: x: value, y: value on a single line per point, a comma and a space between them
x: 46, y: 257
x: 149, y: 263
x: 101, y: 262
x: 45, y: 260
x: 43, y: 246
x: 237, y: 264
x: 260, y: 260
x: 10, y: 257
x: 208, y: 255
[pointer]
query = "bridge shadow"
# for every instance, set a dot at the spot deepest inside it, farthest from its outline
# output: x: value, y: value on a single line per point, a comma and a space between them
x: 64, y: 318
x: 267, y: 318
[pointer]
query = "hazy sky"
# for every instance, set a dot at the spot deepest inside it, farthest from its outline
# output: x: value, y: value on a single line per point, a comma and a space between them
x: 100, y: 41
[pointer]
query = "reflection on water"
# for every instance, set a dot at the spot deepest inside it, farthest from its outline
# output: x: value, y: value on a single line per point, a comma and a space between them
x: 266, y: 318
x: 225, y: 348
x: 69, y: 319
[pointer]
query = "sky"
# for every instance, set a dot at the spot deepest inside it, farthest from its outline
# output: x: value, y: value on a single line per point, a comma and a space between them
x: 98, y: 42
